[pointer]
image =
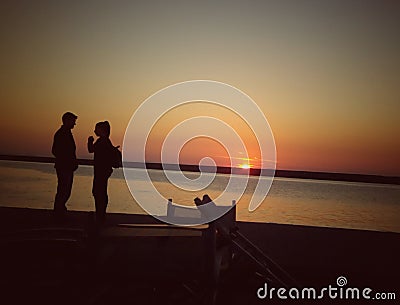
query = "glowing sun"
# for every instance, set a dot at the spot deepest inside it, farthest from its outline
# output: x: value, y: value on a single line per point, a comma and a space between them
x: 245, y: 166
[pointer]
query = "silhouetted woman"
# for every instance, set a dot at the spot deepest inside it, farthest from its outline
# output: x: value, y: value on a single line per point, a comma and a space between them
x: 103, y: 151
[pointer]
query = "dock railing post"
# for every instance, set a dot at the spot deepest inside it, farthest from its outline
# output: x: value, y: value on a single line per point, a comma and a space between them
x: 232, y: 216
x: 210, y: 277
x: 170, y: 208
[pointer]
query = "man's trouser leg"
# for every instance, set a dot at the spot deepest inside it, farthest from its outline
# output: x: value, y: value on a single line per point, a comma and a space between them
x: 64, y: 187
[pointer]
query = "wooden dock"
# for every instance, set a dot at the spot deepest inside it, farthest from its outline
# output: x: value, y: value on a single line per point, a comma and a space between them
x: 46, y: 263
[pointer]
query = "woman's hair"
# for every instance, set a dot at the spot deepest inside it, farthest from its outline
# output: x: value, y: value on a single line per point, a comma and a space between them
x: 105, y: 126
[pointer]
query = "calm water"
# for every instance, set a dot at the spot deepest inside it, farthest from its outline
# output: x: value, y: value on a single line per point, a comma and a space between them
x: 290, y: 201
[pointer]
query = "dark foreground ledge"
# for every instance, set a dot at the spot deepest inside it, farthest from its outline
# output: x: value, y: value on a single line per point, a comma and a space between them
x: 315, y: 256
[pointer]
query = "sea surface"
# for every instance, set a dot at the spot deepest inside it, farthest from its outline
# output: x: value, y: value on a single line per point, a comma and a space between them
x: 336, y: 204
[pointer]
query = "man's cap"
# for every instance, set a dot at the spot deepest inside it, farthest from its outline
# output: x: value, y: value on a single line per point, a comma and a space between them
x: 69, y: 116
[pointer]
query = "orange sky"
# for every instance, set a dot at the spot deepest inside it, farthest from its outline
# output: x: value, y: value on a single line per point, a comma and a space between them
x: 325, y: 75
x: 201, y: 147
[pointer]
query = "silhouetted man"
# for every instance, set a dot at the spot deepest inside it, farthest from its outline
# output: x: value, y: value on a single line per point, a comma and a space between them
x: 64, y: 150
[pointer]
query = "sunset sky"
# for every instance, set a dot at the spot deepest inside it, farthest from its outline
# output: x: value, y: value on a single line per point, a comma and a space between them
x: 324, y: 73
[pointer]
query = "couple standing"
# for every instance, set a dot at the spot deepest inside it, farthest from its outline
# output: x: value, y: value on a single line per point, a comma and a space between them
x: 64, y: 150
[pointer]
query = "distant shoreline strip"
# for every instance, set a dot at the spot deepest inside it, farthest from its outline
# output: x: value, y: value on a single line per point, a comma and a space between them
x: 229, y: 170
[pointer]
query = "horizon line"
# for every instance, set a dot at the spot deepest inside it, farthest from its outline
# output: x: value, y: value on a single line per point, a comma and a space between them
x: 280, y: 173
